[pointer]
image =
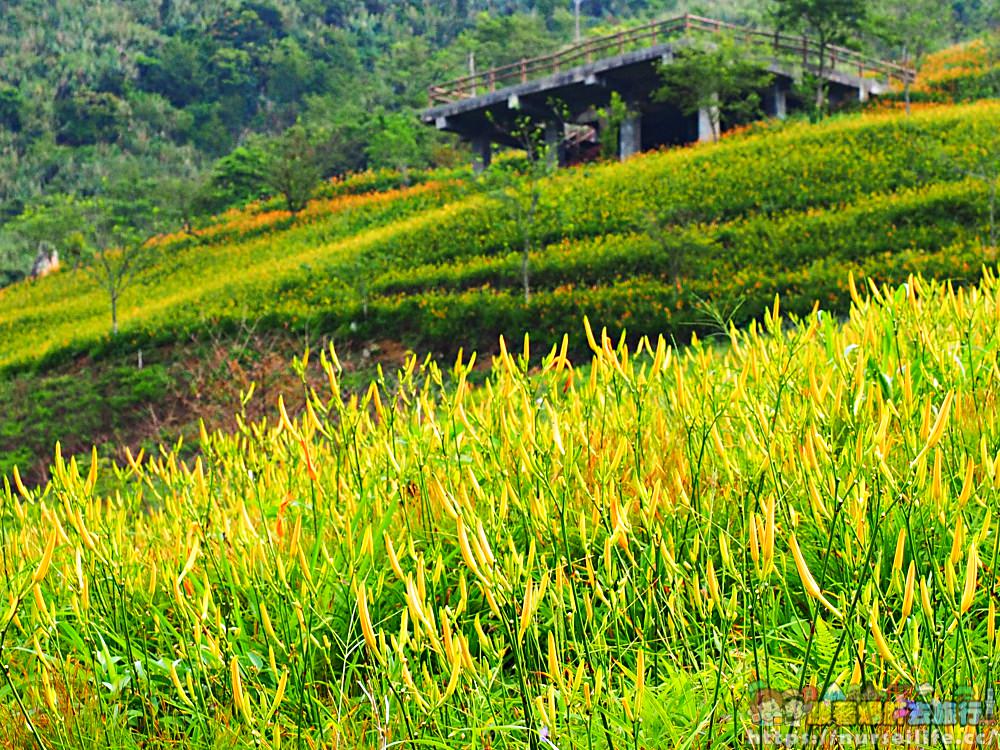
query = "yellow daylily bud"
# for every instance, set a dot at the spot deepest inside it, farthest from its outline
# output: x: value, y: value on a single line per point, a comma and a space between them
x: 971, y: 570
x: 808, y: 582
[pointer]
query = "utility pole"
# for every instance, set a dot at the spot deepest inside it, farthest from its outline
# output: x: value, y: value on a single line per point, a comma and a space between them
x: 576, y: 8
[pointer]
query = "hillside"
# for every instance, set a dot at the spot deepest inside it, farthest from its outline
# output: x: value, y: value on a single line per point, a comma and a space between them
x: 673, y: 243
x: 788, y: 198
x: 663, y: 548
x: 186, y: 100
x: 962, y: 72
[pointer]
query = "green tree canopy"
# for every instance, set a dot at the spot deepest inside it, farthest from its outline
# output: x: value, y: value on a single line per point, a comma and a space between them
x: 826, y: 22
x: 720, y: 78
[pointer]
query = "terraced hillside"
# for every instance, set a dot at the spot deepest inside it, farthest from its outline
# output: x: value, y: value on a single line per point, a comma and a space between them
x: 672, y: 243
x: 785, y: 211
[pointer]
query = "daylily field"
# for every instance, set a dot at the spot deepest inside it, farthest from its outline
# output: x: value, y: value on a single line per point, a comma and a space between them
x: 612, y: 551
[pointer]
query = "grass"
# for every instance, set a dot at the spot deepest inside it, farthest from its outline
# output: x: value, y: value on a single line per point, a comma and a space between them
x: 615, y: 551
x: 91, y: 401
x: 158, y: 397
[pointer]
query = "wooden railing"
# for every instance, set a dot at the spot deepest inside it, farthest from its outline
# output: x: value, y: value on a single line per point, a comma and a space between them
x: 776, y: 44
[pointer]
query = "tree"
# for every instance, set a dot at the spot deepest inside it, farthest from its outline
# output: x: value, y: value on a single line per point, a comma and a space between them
x: 238, y: 177
x: 911, y: 27
x: 11, y: 104
x: 187, y: 196
x: 290, y: 72
x: 90, y: 117
x: 292, y: 169
x: 828, y: 22
x: 115, y: 243
x: 991, y: 79
x: 612, y: 117
x: 501, y: 39
x: 519, y: 188
x: 720, y: 79
x: 394, y: 142
x: 12, y: 263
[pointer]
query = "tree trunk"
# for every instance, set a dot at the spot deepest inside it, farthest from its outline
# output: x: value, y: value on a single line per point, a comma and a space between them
x: 821, y: 83
x: 114, y: 313
x: 906, y: 83
x: 526, y: 252
x: 524, y: 271
x: 715, y: 116
x: 993, y: 213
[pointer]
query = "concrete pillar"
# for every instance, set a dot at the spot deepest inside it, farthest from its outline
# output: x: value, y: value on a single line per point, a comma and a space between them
x: 482, y: 151
x: 708, y: 121
x: 706, y: 130
x: 776, y: 104
x: 630, y: 137
x: 862, y: 92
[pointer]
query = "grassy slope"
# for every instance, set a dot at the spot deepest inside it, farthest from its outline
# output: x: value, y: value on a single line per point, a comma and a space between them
x: 250, y: 254
x: 79, y: 397
x: 308, y: 272
x: 787, y: 210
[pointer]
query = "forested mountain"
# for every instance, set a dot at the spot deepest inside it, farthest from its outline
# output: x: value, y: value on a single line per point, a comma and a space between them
x: 90, y: 89
x: 142, y: 91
